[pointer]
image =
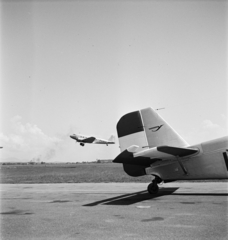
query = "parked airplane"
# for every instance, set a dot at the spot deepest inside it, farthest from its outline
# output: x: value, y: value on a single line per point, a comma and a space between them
x: 149, y: 146
x: 84, y: 139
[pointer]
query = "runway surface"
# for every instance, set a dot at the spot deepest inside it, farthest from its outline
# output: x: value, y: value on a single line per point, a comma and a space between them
x: 114, y: 211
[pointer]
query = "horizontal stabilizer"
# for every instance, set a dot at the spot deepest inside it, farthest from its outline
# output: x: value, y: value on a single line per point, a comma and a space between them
x: 127, y: 157
x: 176, y: 151
x: 149, y: 156
x: 166, y: 152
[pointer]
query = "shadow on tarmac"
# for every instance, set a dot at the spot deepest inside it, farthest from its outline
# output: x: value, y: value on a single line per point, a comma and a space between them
x: 132, y: 198
x: 201, y: 194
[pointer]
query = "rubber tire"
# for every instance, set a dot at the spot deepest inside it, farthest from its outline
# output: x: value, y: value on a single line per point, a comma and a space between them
x: 152, y: 188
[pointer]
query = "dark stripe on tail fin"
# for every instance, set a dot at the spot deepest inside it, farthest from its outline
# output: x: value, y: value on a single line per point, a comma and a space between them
x: 129, y: 124
x: 226, y: 159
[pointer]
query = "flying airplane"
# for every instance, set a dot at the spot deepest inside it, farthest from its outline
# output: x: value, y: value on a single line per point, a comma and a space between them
x: 150, y: 146
x: 84, y: 139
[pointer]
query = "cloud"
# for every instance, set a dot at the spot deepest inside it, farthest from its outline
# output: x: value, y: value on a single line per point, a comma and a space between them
x: 28, y: 141
x: 223, y: 116
x: 210, y: 130
x: 208, y: 124
x: 206, y: 131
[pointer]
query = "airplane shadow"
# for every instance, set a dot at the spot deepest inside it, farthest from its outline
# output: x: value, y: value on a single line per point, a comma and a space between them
x: 132, y: 198
x: 201, y: 194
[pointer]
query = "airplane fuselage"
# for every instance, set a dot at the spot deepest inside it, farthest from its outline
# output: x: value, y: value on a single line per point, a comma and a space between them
x: 210, y: 163
x: 150, y: 146
x: 78, y: 138
x: 85, y: 139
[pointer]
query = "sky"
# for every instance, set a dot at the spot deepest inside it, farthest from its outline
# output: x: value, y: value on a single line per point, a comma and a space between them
x: 78, y: 66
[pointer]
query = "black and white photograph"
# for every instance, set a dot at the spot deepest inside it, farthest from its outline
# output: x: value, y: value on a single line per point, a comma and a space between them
x: 114, y: 119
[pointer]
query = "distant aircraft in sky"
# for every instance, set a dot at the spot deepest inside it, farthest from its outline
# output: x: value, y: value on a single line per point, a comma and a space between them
x: 84, y: 139
x: 149, y: 146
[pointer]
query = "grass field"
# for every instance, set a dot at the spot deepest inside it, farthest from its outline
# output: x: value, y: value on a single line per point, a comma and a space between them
x: 67, y: 173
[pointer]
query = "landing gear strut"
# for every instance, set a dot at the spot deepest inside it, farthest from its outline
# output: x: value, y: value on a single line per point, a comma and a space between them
x: 153, y: 187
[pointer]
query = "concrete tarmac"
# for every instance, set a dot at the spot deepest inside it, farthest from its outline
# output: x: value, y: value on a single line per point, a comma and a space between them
x: 181, y: 210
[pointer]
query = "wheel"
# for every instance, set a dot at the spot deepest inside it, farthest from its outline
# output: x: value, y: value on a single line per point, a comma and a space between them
x: 82, y: 144
x: 152, y: 188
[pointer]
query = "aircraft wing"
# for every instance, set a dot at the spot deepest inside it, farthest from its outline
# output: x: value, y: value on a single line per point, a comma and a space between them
x: 149, y: 156
x: 89, y: 140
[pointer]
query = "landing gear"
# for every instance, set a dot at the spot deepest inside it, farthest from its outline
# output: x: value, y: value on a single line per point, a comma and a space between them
x: 82, y: 144
x: 153, y: 187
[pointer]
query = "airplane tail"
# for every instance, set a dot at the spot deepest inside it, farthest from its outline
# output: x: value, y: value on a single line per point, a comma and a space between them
x: 146, y: 129
x: 112, y: 139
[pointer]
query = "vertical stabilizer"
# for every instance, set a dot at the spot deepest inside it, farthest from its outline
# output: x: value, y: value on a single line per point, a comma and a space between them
x: 112, y: 139
x: 146, y: 129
